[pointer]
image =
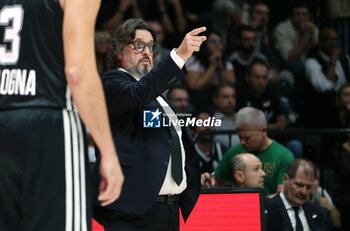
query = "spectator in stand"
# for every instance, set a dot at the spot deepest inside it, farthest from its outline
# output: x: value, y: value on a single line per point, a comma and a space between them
x: 245, y: 54
x: 258, y: 19
x: 206, y: 69
x: 343, y: 104
x: 326, y: 70
x: 294, y: 38
x: 321, y: 197
x: 225, y: 22
x: 247, y: 171
x: 209, y: 151
x: 179, y: 99
x: 224, y: 99
x: 259, y: 94
x: 342, y: 158
x: 112, y: 13
x: 163, y: 52
x: 251, y: 129
x: 102, y: 43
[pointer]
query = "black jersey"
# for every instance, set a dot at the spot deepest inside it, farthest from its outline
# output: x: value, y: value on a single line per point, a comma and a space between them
x: 31, y: 55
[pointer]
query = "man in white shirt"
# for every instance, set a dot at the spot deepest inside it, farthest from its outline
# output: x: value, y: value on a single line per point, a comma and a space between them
x: 291, y: 209
x: 294, y: 38
x: 326, y: 70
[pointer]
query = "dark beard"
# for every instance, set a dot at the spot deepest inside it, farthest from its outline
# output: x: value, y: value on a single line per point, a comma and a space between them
x: 139, y: 71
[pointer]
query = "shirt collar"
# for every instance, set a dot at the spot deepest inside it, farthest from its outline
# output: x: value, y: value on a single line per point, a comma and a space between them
x: 287, y: 205
x: 122, y: 69
x: 323, y: 55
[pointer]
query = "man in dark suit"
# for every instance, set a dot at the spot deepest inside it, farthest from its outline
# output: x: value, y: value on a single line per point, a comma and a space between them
x: 159, y: 164
x: 290, y: 209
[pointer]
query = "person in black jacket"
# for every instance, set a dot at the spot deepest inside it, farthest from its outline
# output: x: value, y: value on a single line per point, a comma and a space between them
x: 158, y: 159
x: 291, y: 208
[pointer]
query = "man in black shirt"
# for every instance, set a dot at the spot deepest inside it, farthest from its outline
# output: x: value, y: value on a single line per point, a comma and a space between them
x: 46, y: 59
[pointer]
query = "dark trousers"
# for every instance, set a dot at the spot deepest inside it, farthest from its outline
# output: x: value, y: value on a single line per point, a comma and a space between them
x: 161, y: 217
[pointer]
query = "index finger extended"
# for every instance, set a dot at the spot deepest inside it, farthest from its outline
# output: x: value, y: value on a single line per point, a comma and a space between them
x: 196, y: 31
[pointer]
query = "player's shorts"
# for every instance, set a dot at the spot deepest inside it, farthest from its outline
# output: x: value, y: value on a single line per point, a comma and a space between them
x: 43, y: 171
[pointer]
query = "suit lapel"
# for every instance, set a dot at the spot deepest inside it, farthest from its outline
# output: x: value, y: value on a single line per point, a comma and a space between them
x: 310, y: 216
x: 284, y: 214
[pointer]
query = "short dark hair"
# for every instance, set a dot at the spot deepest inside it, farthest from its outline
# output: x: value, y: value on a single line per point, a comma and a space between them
x: 307, y: 165
x: 124, y: 35
x: 242, y: 28
x: 171, y: 89
x: 297, y: 5
x: 219, y: 87
x: 257, y: 3
x: 255, y: 62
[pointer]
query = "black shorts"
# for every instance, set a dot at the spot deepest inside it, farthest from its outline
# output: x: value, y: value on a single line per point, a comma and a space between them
x: 43, y: 171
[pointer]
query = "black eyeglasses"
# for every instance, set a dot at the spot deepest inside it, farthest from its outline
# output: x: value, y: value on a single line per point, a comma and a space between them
x: 140, y: 46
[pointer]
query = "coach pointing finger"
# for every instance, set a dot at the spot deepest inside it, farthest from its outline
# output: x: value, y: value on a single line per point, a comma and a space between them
x: 159, y: 163
x: 191, y: 43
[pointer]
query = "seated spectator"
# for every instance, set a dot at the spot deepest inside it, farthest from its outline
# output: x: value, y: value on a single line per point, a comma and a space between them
x: 245, y: 54
x: 251, y: 129
x: 291, y: 208
x: 342, y: 158
x: 294, y: 38
x: 163, y: 52
x: 259, y: 94
x: 259, y: 14
x: 225, y: 21
x: 321, y: 197
x: 179, y: 99
x: 247, y: 171
x: 326, y: 70
x: 209, y: 151
x: 206, y: 69
x: 224, y: 99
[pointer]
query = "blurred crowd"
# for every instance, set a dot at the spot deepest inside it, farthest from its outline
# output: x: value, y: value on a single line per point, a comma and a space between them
x: 288, y: 59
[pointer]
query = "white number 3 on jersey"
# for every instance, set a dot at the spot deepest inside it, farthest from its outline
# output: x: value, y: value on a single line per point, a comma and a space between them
x: 8, y: 14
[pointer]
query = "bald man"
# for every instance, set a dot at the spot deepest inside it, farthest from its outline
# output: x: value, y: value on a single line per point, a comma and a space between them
x: 247, y: 171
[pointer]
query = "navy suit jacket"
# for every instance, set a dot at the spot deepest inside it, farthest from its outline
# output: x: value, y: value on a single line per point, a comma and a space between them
x: 144, y: 152
x: 277, y: 218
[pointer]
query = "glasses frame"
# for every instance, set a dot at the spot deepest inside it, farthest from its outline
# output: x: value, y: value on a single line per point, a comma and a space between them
x: 152, y: 46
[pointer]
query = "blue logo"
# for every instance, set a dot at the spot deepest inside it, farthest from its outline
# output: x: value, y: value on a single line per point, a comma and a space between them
x: 151, y: 118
